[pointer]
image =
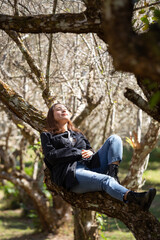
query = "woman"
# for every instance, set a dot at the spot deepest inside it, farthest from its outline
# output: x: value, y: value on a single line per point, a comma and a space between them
x: 76, y: 167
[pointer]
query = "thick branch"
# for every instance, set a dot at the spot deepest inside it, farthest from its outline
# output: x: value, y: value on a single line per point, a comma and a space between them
x: 130, y: 215
x: 136, y: 53
x: 141, y: 103
x: 64, y: 22
x: 21, y: 108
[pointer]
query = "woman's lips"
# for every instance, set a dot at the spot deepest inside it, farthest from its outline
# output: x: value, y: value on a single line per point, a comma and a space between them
x: 64, y: 114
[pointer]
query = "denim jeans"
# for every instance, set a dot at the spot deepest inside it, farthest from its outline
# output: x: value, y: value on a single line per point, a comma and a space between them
x: 91, y: 180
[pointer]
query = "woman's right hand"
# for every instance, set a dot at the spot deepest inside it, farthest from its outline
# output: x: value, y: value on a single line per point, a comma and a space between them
x: 86, y: 153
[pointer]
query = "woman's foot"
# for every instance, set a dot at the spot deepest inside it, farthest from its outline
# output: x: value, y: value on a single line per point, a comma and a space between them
x: 143, y: 199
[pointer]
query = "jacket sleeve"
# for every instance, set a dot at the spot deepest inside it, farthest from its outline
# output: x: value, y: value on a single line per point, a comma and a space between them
x: 57, y: 156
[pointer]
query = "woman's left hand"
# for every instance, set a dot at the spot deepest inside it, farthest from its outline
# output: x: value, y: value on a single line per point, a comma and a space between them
x: 86, y: 153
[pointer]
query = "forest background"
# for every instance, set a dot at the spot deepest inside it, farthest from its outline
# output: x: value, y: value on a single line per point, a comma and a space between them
x: 76, y: 70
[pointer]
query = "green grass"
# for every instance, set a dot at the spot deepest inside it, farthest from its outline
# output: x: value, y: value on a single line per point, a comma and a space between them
x: 12, y: 224
x: 117, y: 235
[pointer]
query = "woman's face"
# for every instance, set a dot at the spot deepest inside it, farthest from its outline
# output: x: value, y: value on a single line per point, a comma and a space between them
x: 61, y: 114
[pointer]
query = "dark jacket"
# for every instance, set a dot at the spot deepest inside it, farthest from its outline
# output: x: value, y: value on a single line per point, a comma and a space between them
x: 61, y: 156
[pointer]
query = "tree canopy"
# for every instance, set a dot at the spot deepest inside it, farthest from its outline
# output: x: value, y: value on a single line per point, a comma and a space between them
x: 132, y: 51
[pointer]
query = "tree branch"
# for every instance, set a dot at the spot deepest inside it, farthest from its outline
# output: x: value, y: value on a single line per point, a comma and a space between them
x: 141, y: 103
x: 27, y: 55
x: 90, y: 103
x: 21, y: 108
x: 47, y: 90
x: 87, y: 111
x: 33, y: 66
x: 130, y: 51
x: 63, y: 22
x: 147, y: 6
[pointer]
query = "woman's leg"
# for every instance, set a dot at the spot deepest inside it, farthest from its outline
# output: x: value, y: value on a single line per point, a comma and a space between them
x: 110, y: 153
x: 90, y: 181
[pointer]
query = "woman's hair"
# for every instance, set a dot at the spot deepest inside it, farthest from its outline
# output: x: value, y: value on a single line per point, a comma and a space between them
x: 52, y: 125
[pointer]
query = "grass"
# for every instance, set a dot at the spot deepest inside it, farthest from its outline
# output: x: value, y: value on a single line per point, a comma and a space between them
x: 13, y: 224
x: 15, y: 227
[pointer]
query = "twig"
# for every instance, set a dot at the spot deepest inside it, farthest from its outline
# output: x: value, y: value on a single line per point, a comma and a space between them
x: 50, y: 52
x: 147, y: 6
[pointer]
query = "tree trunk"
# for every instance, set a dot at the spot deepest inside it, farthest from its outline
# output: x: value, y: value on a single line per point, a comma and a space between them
x: 85, y: 225
x: 49, y: 218
x: 139, y: 161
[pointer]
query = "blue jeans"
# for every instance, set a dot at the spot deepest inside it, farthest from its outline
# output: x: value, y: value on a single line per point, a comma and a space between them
x: 91, y: 180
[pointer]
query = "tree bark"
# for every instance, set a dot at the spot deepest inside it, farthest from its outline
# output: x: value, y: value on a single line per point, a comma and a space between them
x: 85, y: 225
x: 21, y: 108
x: 63, y: 22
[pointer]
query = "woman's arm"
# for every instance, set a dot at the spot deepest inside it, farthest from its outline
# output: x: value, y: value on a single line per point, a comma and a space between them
x: 54, y: 156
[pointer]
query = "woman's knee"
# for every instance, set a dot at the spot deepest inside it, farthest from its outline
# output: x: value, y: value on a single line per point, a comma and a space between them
x: 115, y: 137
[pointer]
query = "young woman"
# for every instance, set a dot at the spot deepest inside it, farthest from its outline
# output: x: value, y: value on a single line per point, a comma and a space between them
x: 76, y: 167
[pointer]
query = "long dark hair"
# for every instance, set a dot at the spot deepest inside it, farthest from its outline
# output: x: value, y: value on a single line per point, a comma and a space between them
x: 52, y: 125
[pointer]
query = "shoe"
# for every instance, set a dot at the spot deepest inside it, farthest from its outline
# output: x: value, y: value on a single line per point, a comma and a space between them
x: 113, y: 171
x: 143, y: 199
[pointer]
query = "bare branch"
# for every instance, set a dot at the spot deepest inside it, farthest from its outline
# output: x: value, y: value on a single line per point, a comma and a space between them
x: 33, y: 66
x: 16, y: 7
x: 47, y: 90
x: 63, y: 22
x: 17, y: 39
x: 146, y: 6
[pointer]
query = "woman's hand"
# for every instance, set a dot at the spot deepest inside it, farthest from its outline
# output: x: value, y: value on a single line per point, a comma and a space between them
x: 86, y: 153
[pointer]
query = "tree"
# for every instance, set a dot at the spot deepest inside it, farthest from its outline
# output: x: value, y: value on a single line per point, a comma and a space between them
x: 125, y: 57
